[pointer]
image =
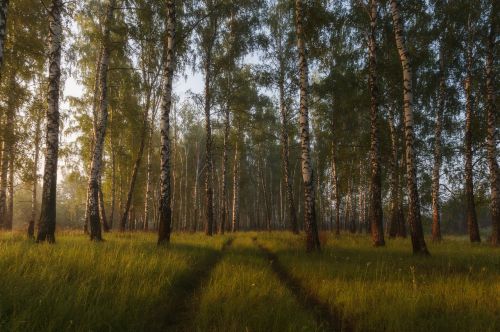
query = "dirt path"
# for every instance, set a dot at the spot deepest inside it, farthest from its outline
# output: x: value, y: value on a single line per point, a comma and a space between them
x: 184, y: 301
x: 330, y: 319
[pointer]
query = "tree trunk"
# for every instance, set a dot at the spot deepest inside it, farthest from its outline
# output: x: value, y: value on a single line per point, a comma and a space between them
x: 436, y: 172
x: 236, y: 190
x: 173, y: 153
x: 137, y: 163
x: 113, y: 184
x: 95, y: 102
x: 36, y: 157
x: 401, y: 230
x: 4, y: 5
x: 195, y: 192
x: 352, y: 208
x: 7, y: 153
x: 97, y: 154
x: 102, y: 209
x: 224, y: 209
x: 312, y: 238
x: 285, y: 157
x: 47, y: 222
x: 469, y: 184
x: 491, y: 135
x: 10, y: 202
x: 149, y: 181
x: 414, y: 218
x: 165, y: 223
x: 376, y: 213
x: 394, y: 178
x: 261, y: 175
x: 186, y: 189
x: 209, y: 222
x: 335, y: 191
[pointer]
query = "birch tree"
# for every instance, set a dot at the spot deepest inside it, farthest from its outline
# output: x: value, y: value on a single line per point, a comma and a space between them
x: 492, y: 128
x: 93, y: 214
x: 47, y: 222
x: 209, y: 35
x: 438, y: 158
x: 376, y: 213
x: 165, y: 200
x: 312, y: 238
x: 281, y: 53
x: 414, y: 218
x: 34, y: 190
x: 471, y: 215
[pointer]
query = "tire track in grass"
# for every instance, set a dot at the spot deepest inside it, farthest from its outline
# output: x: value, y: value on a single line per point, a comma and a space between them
x: 184, y: 298
x: 324, y: 313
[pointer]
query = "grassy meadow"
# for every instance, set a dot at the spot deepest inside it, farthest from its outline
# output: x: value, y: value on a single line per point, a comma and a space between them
x: 228, y: 283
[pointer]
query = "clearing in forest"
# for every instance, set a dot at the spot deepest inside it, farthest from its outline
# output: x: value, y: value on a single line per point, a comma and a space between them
x: 245, y: 282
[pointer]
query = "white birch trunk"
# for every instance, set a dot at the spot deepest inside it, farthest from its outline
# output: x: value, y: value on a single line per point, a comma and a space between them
x: 47, y: 222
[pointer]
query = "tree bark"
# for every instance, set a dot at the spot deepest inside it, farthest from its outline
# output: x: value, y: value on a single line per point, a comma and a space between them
x: 376, y: 213
x: 97, y: 154
x: 165, y: 222
x: 224, y: 209
x: 267, y: 207
x: 137, y: 163
x: 335, y: 191
x: 47, y: 221
x: 394, y: 178
x: 311, y: 228
x: 113, y: 183
x: 95, y: 119
x: 285, y: 148
x: 102, y: 209
x: 469, y: 182
x: 414, y: 218
x: 195, y: 192
x: 149, y: 180
x: 436, y: 172
x: 401, y: 230
x: 491, y: 135
x: 209, y: 222
x: 7, y: 153
x: 34, y: 174
x: 10, y: 202
x: 236, y: 190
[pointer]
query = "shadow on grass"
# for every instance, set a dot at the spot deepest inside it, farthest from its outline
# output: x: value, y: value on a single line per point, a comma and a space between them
x: 326, y: 314
x: 99, y: 286
x: 174, y: 311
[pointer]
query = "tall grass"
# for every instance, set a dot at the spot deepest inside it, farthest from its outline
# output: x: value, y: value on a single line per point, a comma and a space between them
x: 125, y: 283
x: 388, y: 289
x: 243, y: 294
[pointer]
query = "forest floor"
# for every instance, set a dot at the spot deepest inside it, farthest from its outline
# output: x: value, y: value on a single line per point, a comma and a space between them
x: 246, y: 282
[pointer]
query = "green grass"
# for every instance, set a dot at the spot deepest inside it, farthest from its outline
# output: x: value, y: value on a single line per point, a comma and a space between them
x: 125, y: 283
x: 388, y: 289
x: 128, y: 284
x: 243, y: 294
